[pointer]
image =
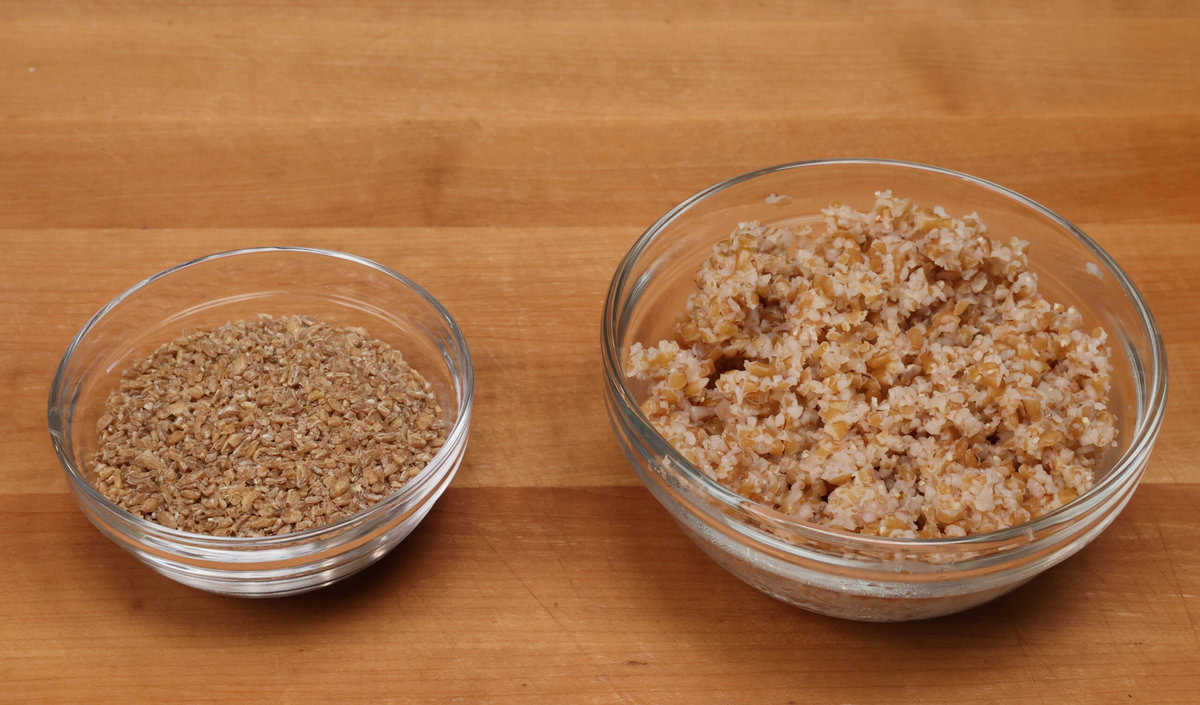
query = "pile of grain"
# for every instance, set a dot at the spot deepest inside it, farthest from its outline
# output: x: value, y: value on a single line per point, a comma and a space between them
x: 897, y: 374
x: 264, y: 427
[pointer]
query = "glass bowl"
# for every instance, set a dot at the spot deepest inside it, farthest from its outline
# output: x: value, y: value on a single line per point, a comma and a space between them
x: 849, y: 575
x: 337, y: 288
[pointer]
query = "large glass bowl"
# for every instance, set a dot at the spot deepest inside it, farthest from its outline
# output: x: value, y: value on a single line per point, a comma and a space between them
x: 337, y: 288
x: 850, y: 575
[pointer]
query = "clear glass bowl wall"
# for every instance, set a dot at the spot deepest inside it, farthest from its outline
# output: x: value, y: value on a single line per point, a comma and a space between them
x: 336, y: 288
x: 837, y: 573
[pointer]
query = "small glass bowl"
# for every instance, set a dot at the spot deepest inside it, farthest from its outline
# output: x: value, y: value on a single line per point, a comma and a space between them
x: 336, y: 288
x: 839, y: 573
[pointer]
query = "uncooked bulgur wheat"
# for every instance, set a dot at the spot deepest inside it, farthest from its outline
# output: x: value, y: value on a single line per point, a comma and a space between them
x: 264, y: 427
x: 897, y: 374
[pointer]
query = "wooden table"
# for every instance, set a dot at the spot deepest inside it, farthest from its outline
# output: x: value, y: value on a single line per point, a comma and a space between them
x: 506, y: 156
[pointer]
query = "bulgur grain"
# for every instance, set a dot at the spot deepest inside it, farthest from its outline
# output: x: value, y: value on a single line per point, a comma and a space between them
x: 264, y: 427
x: 896, y: 374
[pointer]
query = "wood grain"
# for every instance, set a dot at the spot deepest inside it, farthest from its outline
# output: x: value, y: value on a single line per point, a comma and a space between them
x: 550, y: 595
x: 534, y: 172
x: 505, y: 155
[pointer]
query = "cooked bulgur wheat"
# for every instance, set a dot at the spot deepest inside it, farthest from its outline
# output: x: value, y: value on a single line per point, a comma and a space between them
x: 264, y: 427
x: 897, y: 374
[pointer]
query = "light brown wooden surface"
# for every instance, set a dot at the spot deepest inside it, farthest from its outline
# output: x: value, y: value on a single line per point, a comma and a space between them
x: 505, y: 156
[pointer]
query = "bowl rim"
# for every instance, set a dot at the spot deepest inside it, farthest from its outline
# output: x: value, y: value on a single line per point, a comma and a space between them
x: 1126, y: 466
x: 443, y: 460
